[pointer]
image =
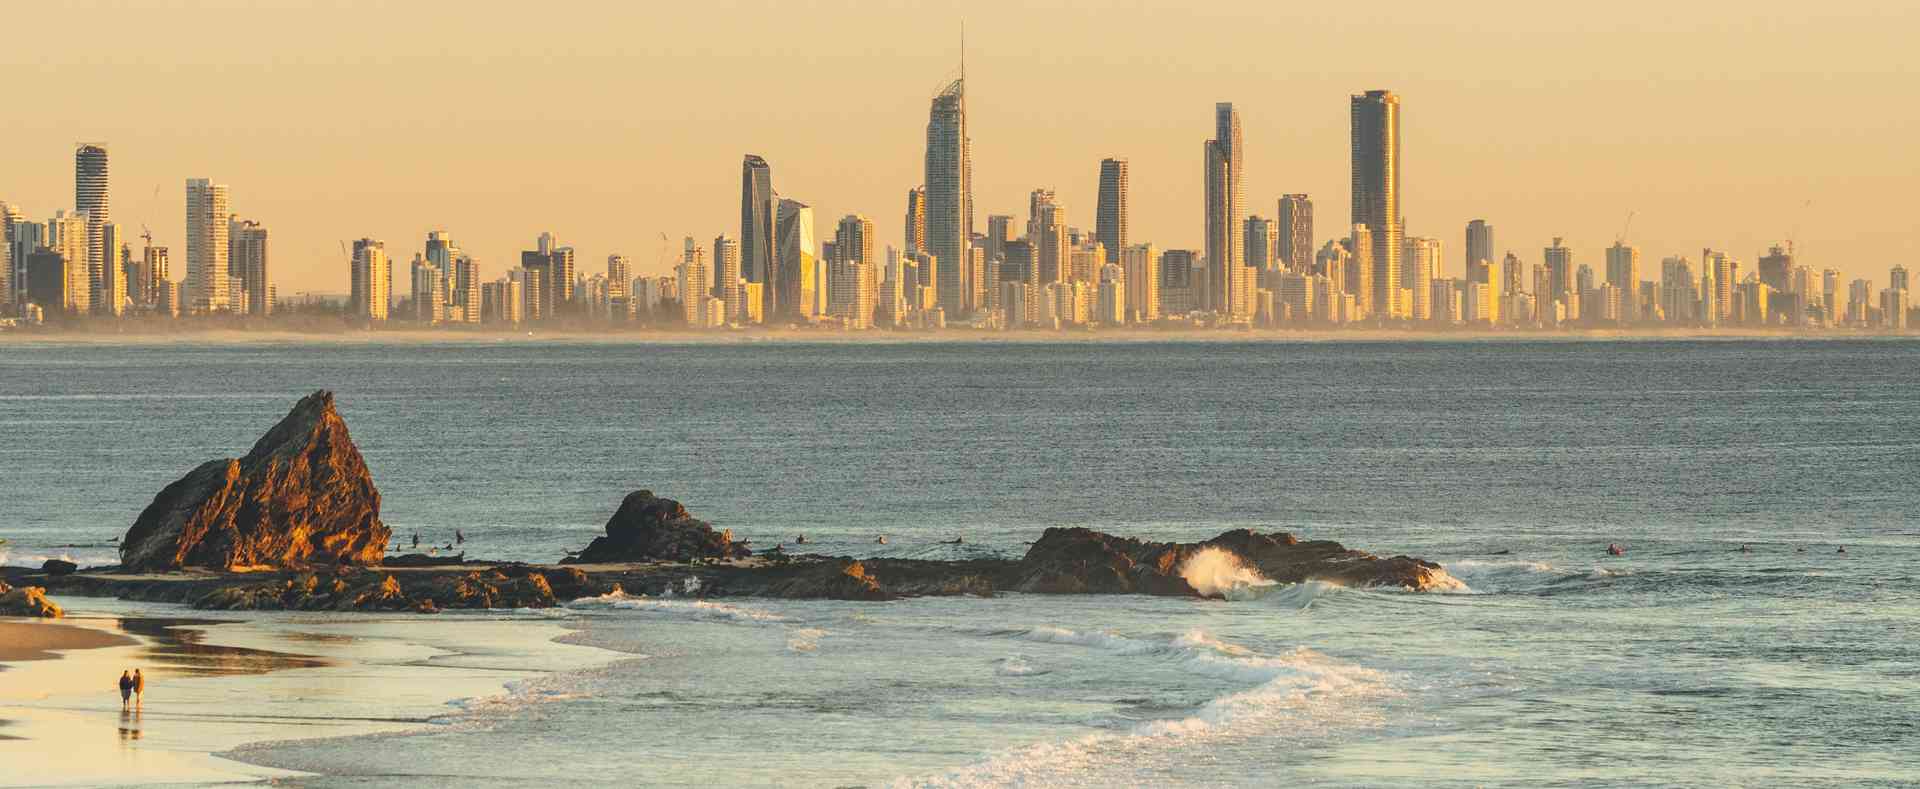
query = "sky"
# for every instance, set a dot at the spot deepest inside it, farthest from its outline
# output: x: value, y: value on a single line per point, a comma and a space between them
x: 1731, y: 125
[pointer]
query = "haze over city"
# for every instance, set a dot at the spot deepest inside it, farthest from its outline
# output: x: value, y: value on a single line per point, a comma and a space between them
x: 1731, y: 126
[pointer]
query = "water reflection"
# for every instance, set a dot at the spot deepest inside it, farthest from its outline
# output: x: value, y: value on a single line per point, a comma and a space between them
x: 178, y: 649
x: 129, y: 725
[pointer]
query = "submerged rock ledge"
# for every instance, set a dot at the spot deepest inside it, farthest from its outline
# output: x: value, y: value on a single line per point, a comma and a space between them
x: 295, y: 525
x: 1062, y: 561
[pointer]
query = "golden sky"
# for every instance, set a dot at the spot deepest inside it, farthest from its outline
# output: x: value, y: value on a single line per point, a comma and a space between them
x: 1723, y: 124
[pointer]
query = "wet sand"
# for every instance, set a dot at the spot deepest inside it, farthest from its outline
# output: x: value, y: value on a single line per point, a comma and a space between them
x: 39, y: 640
x: 214, y: 685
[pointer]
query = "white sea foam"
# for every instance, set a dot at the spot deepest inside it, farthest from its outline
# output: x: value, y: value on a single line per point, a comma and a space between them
x: 1300, y: 693
x: 700, y: 610
x: 1218, y: 572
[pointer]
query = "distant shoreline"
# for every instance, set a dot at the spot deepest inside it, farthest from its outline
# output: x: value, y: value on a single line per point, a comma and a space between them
x: 191, y: 336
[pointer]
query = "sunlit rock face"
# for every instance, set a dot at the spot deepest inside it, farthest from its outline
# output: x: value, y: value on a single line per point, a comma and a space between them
x: 301, y: 496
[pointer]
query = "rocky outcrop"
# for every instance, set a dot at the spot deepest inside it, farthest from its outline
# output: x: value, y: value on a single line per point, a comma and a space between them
x: 372, y: 591
x: 58, y: 567
x: 648, y: 528
x: 833, y: 579
x: 1084, y: 561
x: 302, y: 496
x: 28, y: 601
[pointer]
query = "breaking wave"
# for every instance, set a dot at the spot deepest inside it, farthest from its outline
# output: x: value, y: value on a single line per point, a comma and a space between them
x: 1218, y: 572
x: 1299, y: 691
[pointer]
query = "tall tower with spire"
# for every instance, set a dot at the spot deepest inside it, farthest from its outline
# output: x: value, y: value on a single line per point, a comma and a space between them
x: 949, y: 185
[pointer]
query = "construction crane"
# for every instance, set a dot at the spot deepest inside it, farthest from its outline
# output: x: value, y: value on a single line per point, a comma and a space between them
x: 661, y: 261
x: 1793, y: 236
x: 146, y: 234
x: 1621, y: 239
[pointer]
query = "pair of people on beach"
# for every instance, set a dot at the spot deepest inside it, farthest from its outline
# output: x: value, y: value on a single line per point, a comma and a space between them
x: 132, y: 687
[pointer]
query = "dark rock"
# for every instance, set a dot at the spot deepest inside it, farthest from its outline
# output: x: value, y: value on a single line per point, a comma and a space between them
x: 29, y: 601
x: 648, y: 528
x: 834, y: 579
x: 301, y: 496
x: 58, y: 567
x: 1083, y: 561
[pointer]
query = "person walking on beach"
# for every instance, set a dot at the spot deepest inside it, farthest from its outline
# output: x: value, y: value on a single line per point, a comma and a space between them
x: 126, y: 689
x: 139, y: 688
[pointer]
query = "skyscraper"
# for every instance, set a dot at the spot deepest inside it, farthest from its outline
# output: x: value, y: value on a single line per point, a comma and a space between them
x: 916, y: 220
x: 1260, y: 243
x: 732, y: 290
x: 1375, y: 141
x: 1561, y: 283
x: 67, y: 235
x: 1296, y: 231
x: 949, y: 185
x: 796, y: 252
x: 372, y: 279
x: 1420, y: 259
x: 1110, y: 216
x: 90, y: 197
x: 757, y: 213
x: 1225, y: 161
x: 1776, y: 266
x: 247, y: 259
x: 110, y: 296
x: 1623, y: 273
x: 207, y: 270
x: 1480, y: 243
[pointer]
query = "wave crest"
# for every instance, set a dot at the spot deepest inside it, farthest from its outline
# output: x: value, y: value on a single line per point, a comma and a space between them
x: 1218, y: 572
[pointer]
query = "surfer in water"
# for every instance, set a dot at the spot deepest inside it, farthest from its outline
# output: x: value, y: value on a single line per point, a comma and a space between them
x: 1614, y: 549
x: 880, y: 540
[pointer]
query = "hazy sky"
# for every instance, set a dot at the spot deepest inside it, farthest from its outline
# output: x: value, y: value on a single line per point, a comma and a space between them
x: 1723, y: 124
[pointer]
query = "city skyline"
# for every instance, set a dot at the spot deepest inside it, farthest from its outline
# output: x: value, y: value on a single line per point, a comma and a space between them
x: 1484, y: 152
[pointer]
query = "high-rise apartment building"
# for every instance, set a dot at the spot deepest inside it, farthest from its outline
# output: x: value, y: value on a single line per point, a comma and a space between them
x: 732, y: 288
x: 1561, y: 283
x: 67, y: 234
x: 1110, y: 216
x: 758, y: 212
x: 1225, y: 209
x: 372, y: 280
x: 1420, y: 261
x: 1141, y: 264
x: 1375, y: 144
x: 796, y: 250
x: 247, y: 260
x: 207, y: 266
x: 1776, y: 268
x: 1295, y: 220
x: 1364, y: 272
x: 1623, y: 273
x: 916, y: 220
x: 1260, y: 244
x: 695, y: 285
x: 110, y: 288
x: 91, y: 198
x: 1480, y: 243
x: 949, y: 185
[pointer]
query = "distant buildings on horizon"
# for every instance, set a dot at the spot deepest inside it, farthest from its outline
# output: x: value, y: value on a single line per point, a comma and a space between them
x: 1253, y: 271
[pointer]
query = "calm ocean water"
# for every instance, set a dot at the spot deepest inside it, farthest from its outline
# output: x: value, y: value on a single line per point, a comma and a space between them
x: 1685, y: 662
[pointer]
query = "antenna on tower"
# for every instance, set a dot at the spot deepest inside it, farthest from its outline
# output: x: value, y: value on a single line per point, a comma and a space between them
x: 963, y: 51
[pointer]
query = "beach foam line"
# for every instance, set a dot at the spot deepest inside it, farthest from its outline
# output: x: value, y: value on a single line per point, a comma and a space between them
x: 698, y: 610
x: 1298, y: 694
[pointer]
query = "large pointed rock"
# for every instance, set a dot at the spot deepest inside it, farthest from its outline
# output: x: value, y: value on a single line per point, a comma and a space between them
x: 302, y: 496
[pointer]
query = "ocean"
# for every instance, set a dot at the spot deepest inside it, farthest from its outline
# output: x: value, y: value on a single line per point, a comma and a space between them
x: 1733, y: 644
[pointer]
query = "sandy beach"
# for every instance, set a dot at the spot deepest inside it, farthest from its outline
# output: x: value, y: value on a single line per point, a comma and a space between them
x: 217, y: 683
